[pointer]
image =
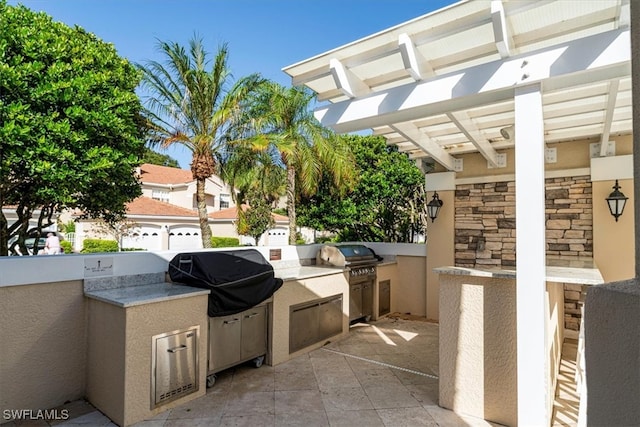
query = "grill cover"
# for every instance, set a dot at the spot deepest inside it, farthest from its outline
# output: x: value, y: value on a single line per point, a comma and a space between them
x: 238, y: 279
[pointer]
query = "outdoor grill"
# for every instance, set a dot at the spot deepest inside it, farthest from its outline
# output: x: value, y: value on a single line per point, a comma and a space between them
x: 361, y: 263
x: 241, y: 284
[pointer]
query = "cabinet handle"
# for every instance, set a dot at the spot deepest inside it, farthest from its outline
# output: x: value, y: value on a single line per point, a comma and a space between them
x: 176, y: 349
x: 228, y: 322
x: 249, y: 316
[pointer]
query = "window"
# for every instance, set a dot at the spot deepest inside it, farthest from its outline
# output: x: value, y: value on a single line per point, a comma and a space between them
x: 224, y: 201
x: 162, y: 195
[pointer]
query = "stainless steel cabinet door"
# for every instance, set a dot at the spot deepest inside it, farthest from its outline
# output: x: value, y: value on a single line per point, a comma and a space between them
x: 254, y: 332
x: 367, y: 299
x: 175, y: 366
x: 303, y: 327
x: 330, y: 318
x: 355, y: 301
x: 384, y: 297
x: 224, y: 341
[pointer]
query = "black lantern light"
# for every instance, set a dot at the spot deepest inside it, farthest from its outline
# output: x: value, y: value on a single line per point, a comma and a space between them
x: 616, y: 201
x: 433, y: 207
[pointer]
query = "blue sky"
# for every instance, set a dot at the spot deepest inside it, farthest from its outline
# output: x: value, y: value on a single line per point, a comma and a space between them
x: 263, y: 36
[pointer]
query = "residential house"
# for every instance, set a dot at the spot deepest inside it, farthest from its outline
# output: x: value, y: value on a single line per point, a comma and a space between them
x: 166, y: 216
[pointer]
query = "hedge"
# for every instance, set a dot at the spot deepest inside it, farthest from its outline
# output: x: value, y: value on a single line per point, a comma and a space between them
x: 66, y: 246
x: 224, y: 242
x: 99, y: 245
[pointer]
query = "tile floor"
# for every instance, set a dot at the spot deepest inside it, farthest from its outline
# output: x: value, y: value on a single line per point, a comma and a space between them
x: 383, y: 374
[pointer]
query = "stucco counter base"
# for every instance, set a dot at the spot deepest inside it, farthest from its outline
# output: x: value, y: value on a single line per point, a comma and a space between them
x: 304, y: 284
x: 121, y: 324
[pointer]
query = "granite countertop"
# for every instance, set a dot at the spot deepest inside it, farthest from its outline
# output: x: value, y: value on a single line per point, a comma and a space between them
x: 144, y: 294
x: 305, y: 272
x: 576, y: 271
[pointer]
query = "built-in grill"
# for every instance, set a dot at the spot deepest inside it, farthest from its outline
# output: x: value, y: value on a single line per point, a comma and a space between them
x: 361, y: 263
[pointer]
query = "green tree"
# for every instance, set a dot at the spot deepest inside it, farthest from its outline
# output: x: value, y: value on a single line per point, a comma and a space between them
x: 153, y: 157
x: 250, y: 171
x: 257, y: 218
x: 197, y: 108
x: 387, y: 204
x: 70, y: 123
x: 306, y: 149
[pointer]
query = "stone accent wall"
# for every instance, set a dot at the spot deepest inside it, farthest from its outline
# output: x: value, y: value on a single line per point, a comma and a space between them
x: 485, y: 221
x: 574, y: 296
x: 569, y: 217
x: 485, y: 224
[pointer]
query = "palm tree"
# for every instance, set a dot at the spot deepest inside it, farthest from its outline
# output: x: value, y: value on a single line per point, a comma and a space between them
x: 197, y: 108
x: 306, y: 149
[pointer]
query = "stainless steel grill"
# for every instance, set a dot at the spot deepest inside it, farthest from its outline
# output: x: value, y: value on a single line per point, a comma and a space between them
x: 361, y: 263
x: 346, y: 256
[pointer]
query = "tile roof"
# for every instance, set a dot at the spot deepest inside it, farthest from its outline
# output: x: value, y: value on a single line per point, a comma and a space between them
x: 232, y: 213
x: 147, y: 206
x: 164, y: 175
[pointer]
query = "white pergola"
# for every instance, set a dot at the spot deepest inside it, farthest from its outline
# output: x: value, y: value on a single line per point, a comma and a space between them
x: 464, y: 79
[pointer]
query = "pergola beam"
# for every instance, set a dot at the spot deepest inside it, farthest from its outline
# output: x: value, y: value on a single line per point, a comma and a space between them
x: 415, y: 64
x: 471, y: 131
x: 422, y: 141
x: 500, y: 30
x: 608, y: 118
x: 574, y: 63
x: 348, y: 83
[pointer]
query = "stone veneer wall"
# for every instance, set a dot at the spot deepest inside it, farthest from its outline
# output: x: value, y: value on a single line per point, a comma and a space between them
x: 485, y: 228
x: 485, y: 221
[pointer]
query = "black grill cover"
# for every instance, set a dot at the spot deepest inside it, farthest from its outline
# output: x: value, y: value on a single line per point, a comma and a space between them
x: 238, y: 279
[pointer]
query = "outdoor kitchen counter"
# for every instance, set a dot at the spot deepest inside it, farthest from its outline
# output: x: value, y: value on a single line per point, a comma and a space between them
x: 576, y: 271
x: 305, y: 285
x: 144, y: 294
x: 305, y: 272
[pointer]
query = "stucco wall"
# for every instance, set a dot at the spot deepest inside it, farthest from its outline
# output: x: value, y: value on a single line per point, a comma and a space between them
x: 295, y: 292
x: 478, y: 347
x: 410, y: 293
x: 388, y: 272
x: 42, y: 345
x: 555, y: 334
x: 440, y: 250
x: 119, y: 354
x: 613, y: 242
x: 612, y: 354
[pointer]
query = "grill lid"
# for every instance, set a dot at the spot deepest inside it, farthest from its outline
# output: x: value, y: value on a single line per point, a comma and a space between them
x: 345, y: 255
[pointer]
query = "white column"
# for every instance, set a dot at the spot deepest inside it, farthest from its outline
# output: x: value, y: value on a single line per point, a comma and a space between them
x: 530, y: 252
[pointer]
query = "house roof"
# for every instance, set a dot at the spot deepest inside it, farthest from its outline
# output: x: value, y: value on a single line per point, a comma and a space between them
x: 164, y: 175
x: 232, y: 214
x: 150, y: 207
x: 443, y: 84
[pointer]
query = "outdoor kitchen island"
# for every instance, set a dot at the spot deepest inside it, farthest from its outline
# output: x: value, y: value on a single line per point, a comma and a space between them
x: 128, y: 315
x: 478, y: 339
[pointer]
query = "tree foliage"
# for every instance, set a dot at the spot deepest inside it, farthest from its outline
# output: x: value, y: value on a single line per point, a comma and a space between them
x: 387, y: 204
x: 287, y: 129
x: 196, y: 107
x: 256, y: 218
x: 70, y: 124
x: 153, y: 157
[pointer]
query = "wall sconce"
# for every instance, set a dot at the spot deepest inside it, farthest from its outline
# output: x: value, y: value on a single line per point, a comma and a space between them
x: 433, y: 207
x: 616, y: 201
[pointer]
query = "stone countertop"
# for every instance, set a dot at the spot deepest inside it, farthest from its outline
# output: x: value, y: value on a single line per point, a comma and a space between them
x: 305, y: 272
x: 144, y: 294
x: 578, y: 271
